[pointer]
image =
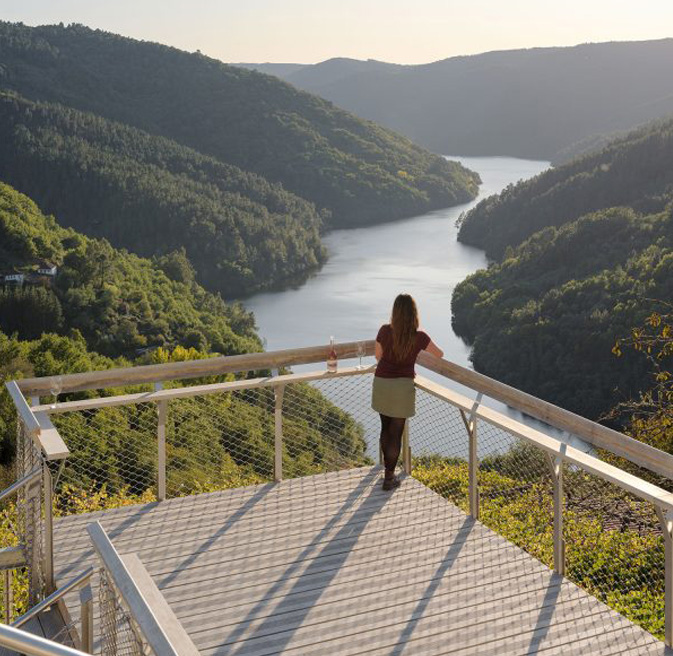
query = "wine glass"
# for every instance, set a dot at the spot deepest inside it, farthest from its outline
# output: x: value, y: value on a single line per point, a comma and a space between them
x: 55, y: 387
x: 361, y: 352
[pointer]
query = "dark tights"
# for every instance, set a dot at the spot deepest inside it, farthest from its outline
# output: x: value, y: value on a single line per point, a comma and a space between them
x: 391, y: 442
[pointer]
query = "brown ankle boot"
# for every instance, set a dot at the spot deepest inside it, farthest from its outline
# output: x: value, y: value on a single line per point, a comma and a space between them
x: 390, y: 483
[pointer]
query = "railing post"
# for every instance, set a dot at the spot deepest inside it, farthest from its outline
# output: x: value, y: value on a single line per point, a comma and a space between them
x: 473, y: 471
x: 162, y: 413
x: 406, y: 449
x: 279, y: 391
x: 8, y: 596
x: 472, y: 457
x: 35, y: 540
x: 86, y: 616
x: 48, y: 529
x: 667, y: 531
x: 556, y: 464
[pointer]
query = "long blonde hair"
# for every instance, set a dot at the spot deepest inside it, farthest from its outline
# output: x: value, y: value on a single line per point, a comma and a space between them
x: 404, y: 322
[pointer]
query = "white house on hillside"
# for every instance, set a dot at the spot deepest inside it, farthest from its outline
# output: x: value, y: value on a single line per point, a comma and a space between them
x: 47, y: 269
x: 15, y: 278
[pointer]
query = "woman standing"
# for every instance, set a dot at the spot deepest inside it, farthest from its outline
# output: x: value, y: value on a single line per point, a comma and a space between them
x: 398, y: 344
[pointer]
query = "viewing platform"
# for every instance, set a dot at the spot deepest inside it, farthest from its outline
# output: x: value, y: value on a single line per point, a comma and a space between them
x: 332, y: 564
x: 252, y: 522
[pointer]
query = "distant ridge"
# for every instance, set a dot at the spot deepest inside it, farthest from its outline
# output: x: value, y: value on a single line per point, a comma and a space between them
x: 634, y: 170
x: 522, y: 103
x: 360, y: 172
x: 279, y: 70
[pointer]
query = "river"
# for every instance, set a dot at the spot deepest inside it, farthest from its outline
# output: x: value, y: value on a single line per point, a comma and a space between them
x: 352, y: 294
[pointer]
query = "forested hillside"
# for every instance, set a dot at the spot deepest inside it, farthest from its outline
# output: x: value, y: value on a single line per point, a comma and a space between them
x: 105, y: 307
x: 597, y: 260
x: 101, y: 301
x: 522, y: 103
x: 118, y: 301
x: 634, y: 171
x: 361, y: 172
x: 125, y: 172
x: 152, y: 196
x: 546, y: 318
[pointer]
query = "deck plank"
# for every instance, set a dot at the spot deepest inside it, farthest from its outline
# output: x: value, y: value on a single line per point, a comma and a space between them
x: 330, y: 564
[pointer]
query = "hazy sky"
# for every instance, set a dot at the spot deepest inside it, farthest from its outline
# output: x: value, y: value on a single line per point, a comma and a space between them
x: 403, y: 31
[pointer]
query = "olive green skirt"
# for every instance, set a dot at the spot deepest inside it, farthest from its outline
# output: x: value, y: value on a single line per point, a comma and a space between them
x: 394, y: 397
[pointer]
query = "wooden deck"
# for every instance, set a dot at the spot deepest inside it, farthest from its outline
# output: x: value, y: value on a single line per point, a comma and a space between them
x: 332, y: 565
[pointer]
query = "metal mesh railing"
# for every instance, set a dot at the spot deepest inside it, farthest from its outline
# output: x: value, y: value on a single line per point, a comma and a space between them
x: 226, y: 439
x: 439, y: 445
x: 219, y: 441
x: 113, y: 457
x: 213, y: 441
x: 67, y: 635
x: 29, y: 519
x: 328, y: 426
x: 614, y: 548
x: 118, y: 634
x: 516, y: 491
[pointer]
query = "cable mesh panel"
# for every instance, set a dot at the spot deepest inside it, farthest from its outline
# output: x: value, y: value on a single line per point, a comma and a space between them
x: 328, y: 425
x: 516, y: 497
x: 219, y: 441
x: 66, y: 635
x: 439, y: 447
x: 614, y: 548
x: 118, y: 634
x: 29, y: 519
x: 112, y: 461
x: 213, y: 442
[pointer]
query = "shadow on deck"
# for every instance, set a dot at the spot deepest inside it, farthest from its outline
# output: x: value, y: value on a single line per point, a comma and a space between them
x: 332, y: 565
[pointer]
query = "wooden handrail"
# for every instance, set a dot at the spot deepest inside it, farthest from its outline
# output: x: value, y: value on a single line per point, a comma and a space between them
x: 631, y: 483
x: 147, y: 606
x: 52, y: 444
x: 554, y: 447
x: 198, y: 390
x: 38, y: 425
x: 22, y: 408
x: 190, y: 369
x: 598, y: 435
x: 174, y: 631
